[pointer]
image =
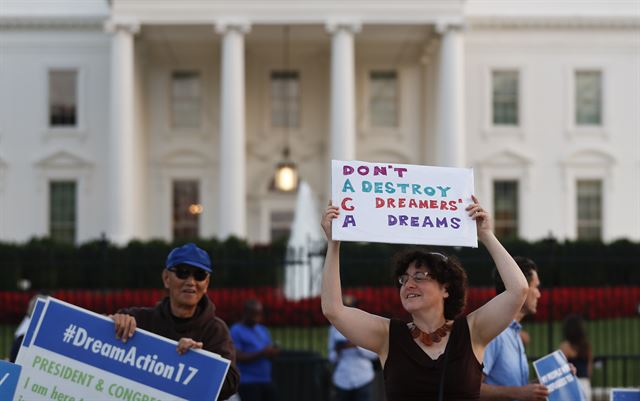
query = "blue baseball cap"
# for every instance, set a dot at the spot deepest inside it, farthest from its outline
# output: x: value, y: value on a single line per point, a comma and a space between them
x: 189, y: 254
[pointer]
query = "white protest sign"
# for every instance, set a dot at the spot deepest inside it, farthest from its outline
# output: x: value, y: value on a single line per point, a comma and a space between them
x: 72, y: 354
x: 402, y: 203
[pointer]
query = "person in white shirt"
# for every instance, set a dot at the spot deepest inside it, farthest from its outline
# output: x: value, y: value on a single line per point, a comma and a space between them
x: 353, y: 374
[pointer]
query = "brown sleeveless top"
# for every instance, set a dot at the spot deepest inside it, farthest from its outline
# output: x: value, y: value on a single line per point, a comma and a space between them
x: 411, y: 375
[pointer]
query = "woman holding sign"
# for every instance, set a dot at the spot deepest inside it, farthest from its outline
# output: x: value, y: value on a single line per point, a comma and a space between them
x: 438, y: 356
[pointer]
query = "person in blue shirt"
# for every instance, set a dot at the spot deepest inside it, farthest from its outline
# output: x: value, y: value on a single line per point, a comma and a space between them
x: 353, y: 374
x: 506, y: 370
x: 254, y: 351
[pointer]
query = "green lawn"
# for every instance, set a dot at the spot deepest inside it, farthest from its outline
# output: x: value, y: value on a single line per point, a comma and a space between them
x: 608, y: 337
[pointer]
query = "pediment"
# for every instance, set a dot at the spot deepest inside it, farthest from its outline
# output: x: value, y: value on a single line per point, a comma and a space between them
x: 589, y: 157
x: 185, y: 158
x: 63, y: 159
x: 508, y: 157
x: 389, y: 156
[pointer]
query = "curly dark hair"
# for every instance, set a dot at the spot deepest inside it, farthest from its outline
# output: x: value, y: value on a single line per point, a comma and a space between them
x: 447, y: 271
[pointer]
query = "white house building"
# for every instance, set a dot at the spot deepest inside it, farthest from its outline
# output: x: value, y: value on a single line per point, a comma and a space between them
x: 166, y: 119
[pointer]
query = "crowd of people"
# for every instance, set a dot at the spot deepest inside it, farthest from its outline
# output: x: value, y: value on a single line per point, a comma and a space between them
x: 440, y: 354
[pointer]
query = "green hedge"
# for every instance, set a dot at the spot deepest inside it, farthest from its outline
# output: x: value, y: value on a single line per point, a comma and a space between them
x: 98, y: 264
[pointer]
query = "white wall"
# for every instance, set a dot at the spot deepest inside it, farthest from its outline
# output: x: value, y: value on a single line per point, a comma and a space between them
x: 547, y: 151
x: 33, y: 153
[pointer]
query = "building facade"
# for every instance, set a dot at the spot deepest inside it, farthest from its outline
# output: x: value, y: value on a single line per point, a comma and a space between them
x: 166, y: 119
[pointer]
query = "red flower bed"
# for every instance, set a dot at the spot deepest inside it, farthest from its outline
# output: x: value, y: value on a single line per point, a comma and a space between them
x: 555, y: 303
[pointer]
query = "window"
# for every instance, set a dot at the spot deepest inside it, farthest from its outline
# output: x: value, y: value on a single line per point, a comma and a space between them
x: 62, y: 211
x: 280, y: 225
x: 63, y: 98
x: 383, y: 98
x: 186, y: 209
x: 186, y: 99
x: 589, y: 194
x: 588, y: 88
x: 505, y: 97
x: 285, y: 99
x: 505, y: 205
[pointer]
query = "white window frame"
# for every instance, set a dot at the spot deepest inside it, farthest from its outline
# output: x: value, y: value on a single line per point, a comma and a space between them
x: 572, y: 129
x: 507, y: 165
x: 277, y: 134
x: 489, y: 129
x: 366, y: 126
x: 601, y: 205
x: 198, y: 183
x: 77, y: 197
x: 299, y: 81
x: 201, y: 120
x: 398, y: 102
x: 518, y: 198
x: 81, y: 129
x: 587, y: 164
x: 64, y: 166
x: 182, y: 165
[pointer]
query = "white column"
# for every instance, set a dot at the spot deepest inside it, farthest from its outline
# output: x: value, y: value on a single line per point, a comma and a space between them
x: 343, y: 120
x: 232, y: 205
x: 121, y: 151
x: 451, y: 113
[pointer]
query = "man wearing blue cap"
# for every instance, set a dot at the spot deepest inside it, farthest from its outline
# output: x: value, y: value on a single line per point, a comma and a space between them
x: 186, y: 315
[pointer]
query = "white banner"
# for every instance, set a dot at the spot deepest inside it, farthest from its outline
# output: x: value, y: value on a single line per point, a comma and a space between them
x: 402, y: 203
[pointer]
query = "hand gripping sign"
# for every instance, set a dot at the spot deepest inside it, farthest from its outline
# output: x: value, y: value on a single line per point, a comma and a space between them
x: 72, y: 354
x: 402, y: 203
x: 554, y: 372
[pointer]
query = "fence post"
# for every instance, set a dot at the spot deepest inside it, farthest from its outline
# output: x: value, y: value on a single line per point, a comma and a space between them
x: 551, y: 241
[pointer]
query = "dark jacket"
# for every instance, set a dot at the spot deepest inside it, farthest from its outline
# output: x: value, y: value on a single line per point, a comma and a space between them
x: 204, y: 326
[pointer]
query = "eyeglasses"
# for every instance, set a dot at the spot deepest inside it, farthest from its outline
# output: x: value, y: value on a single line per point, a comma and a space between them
x: 183, y: 273
x: 419, y: 277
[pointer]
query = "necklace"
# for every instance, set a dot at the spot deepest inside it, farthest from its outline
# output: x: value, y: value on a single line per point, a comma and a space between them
x: 429, y: 338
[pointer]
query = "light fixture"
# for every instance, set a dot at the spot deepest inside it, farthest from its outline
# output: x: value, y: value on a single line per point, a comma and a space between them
x: 286, y: 176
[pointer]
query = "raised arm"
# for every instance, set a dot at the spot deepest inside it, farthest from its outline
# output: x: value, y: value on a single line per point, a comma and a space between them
x: 361, y: 328
x: 492, y: 318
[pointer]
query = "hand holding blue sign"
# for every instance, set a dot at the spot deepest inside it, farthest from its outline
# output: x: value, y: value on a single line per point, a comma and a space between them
x: 73, y: 352
x: 557, y: 375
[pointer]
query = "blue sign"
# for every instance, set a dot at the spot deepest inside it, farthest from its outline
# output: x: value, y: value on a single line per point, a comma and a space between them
x: 9, y: 375
x: 554, y: 372
x: 625, y: 394
x: 70, y: 343
x: 35, y: 318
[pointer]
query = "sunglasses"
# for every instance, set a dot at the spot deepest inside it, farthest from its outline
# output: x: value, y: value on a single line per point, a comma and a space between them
x: 419, y: 277
x: 183, y: 273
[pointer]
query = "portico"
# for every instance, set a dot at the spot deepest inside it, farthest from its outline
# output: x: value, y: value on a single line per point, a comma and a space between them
x: 332, y: 57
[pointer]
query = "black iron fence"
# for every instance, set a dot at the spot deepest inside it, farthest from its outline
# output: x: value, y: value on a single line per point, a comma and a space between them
x: 598, y: 282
